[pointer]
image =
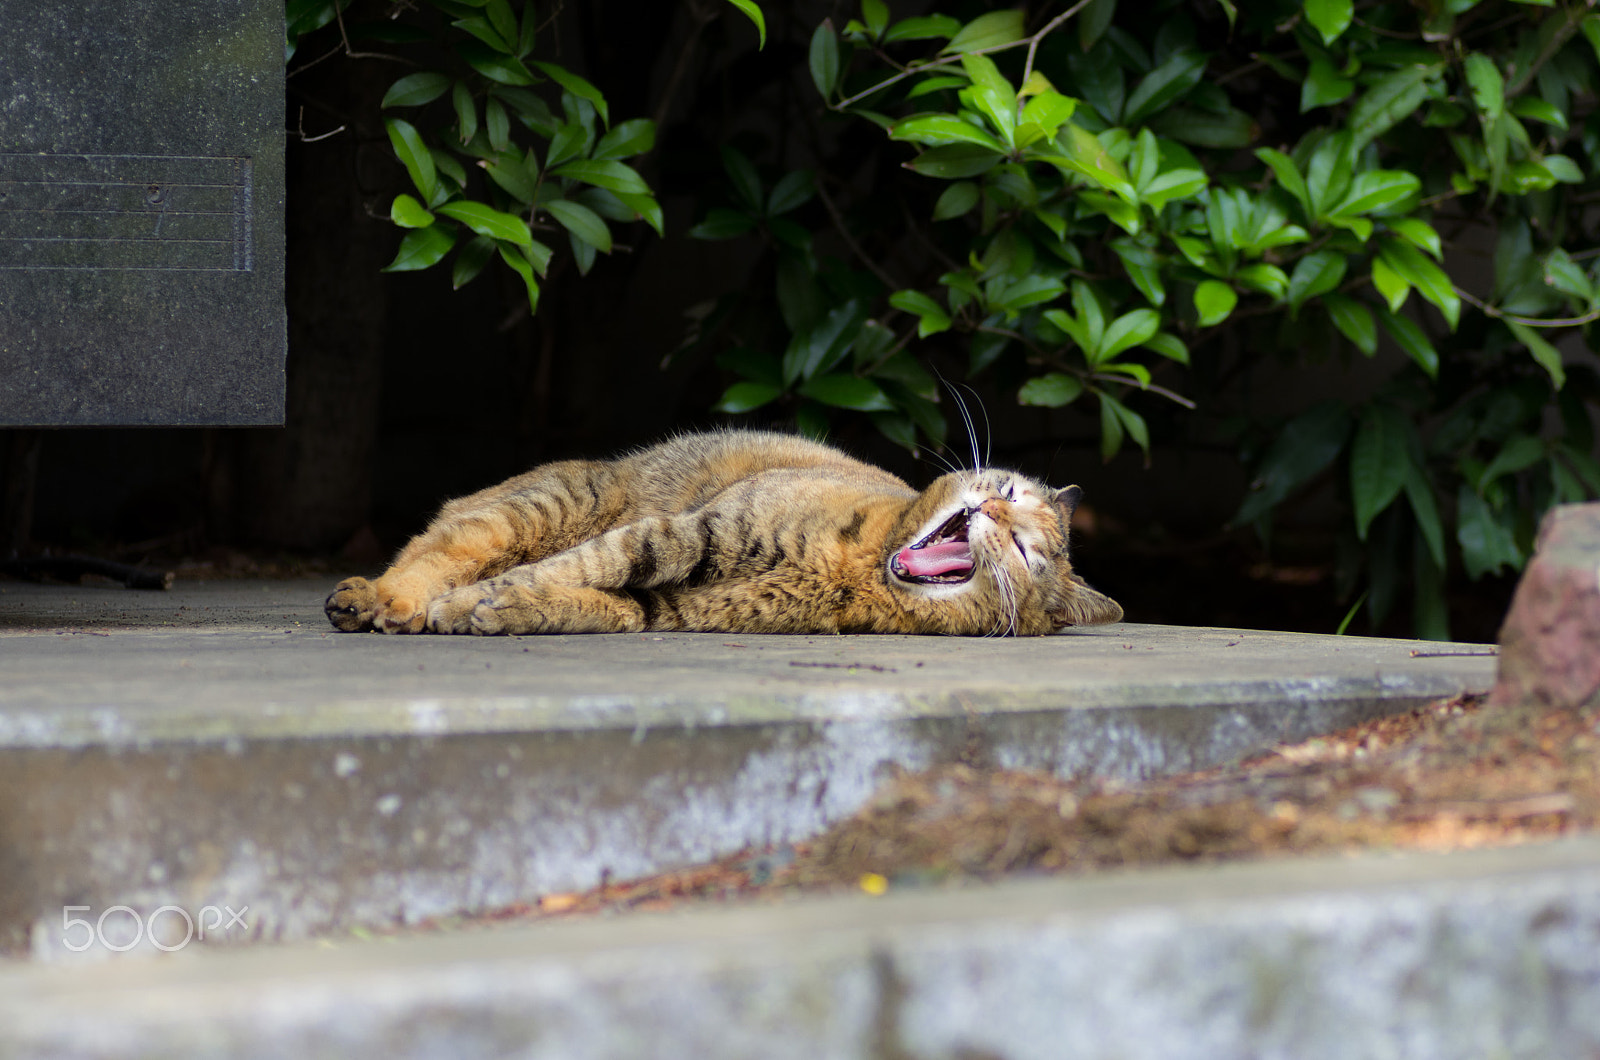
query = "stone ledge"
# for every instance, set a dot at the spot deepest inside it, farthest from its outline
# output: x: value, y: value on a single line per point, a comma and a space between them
x: 1421, y: 956
x: 331, y: 781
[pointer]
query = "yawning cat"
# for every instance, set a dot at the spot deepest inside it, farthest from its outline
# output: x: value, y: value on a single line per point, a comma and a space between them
x: 740, y: 532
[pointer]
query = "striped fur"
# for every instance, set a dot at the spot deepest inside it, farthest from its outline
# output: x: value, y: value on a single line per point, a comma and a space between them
x: 732, y: 531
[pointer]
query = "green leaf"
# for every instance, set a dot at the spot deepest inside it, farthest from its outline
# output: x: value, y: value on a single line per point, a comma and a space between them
x: 1330, y: 17
x: 956, y: 161
x: 1378, y: 461
x: 742, y: 397
x: 611, y: 175
x: 1028, y: 291
x: 1115, y: 418
x: 926, y: 27
x: 1049, y: 110
x: 466, y: 111
x: 1391, y: 285
x: 422, y: 247
x: 723, y: 223
x: 752, y: 11
x: 956, y: 200
x: 578, y: 87
x: 415, y: 90
x: 487, y: 221
x: 793, y: 190
x: 1289, y: 177
x: 1520, y: 452
x: 1548, y: 357
x: 1050, y: 391
x: 1324, y: 86
x: 1536, y: 109
x: 630, y: 138
x: 940, y: 129
x: 876, y: 15
x: 1328, y: 174
x: 409, y: 213
x: 1144, y: 269
x: 497, y: 124
x: 414, y: 155
x: 1315, y: 274
x: 1420, y: 495
x: 1168, y: 346
x: 484, y: 30
x: 986, y: 31
x: 1389, y: 101
x: 1173, y: 184
x: 1419, y: 234
x: 1161, y: 86
x: 1562, y: 273
x: 1488, y: 86
x: 1377, y: 188
x: 470, y: 261
x: 1487, y: 543
x: 932, y: 316
x: 823, y: 58
x: 493, y: 64
x: 1213, y: 301
x: 1303, y: 449
x: 847, y: 392
x: 1562, y: 169
x: 1417, y: 269
x: 581, y: 222
x: 1354, y: 322
x: 1130, y: 329
x: 1411, y: 338
x: 816, y: 349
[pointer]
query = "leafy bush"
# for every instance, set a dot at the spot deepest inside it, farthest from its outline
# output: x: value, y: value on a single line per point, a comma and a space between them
x: 1130, y: 209
x: 1118, y: 192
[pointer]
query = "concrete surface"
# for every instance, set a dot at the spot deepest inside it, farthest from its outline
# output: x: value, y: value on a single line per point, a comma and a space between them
x: 219, y: 745
x: 1484, y: 954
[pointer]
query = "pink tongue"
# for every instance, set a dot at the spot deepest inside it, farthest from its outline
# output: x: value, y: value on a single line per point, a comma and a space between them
x: 936, y: 559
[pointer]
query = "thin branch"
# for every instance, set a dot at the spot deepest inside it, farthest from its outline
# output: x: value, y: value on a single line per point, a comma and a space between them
x: 1032, y: 41
x: 300, y: 130
x: 702, y: 14
x: 1045, y: 31
x: 1532, y: 322
x: 1117, y: 377
x: 850, y: 240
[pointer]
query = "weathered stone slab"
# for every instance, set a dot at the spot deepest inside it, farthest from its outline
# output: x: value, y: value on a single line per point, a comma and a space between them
x: 1491, y: 953
x: 1550, y: 642
x: 219, y: 745
x: 141, y: 213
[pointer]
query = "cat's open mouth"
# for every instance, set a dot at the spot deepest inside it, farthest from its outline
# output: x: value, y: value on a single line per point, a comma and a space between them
x: 944, y: 557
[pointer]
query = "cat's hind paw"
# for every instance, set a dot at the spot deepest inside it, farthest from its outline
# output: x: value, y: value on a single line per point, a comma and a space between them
x: 452, y: 612
x: 352, y: 605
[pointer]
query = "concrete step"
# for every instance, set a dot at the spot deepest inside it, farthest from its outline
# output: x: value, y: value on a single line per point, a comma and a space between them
x: 219, y: 747
x: 1487, y: 953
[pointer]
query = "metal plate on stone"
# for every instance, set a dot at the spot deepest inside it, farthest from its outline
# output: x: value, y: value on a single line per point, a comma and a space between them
x: 141, y: 213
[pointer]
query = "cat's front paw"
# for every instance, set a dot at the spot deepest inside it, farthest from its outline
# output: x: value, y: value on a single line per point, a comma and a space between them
x: 352, y: 605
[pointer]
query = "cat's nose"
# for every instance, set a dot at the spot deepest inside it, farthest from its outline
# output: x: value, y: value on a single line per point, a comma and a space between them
x: 993, y: 508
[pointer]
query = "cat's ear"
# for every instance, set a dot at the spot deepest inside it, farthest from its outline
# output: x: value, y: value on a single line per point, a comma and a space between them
x: 1067, y: 500
x: 1084, y: 606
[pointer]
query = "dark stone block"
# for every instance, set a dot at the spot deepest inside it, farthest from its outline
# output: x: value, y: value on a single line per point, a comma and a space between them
x: 1550, y: 643
x: 141, y: 213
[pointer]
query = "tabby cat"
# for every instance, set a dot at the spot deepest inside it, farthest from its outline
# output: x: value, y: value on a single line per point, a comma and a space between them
x: 740, y: 532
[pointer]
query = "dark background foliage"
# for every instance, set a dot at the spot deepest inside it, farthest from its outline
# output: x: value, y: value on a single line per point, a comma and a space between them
x: 404, y: 392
